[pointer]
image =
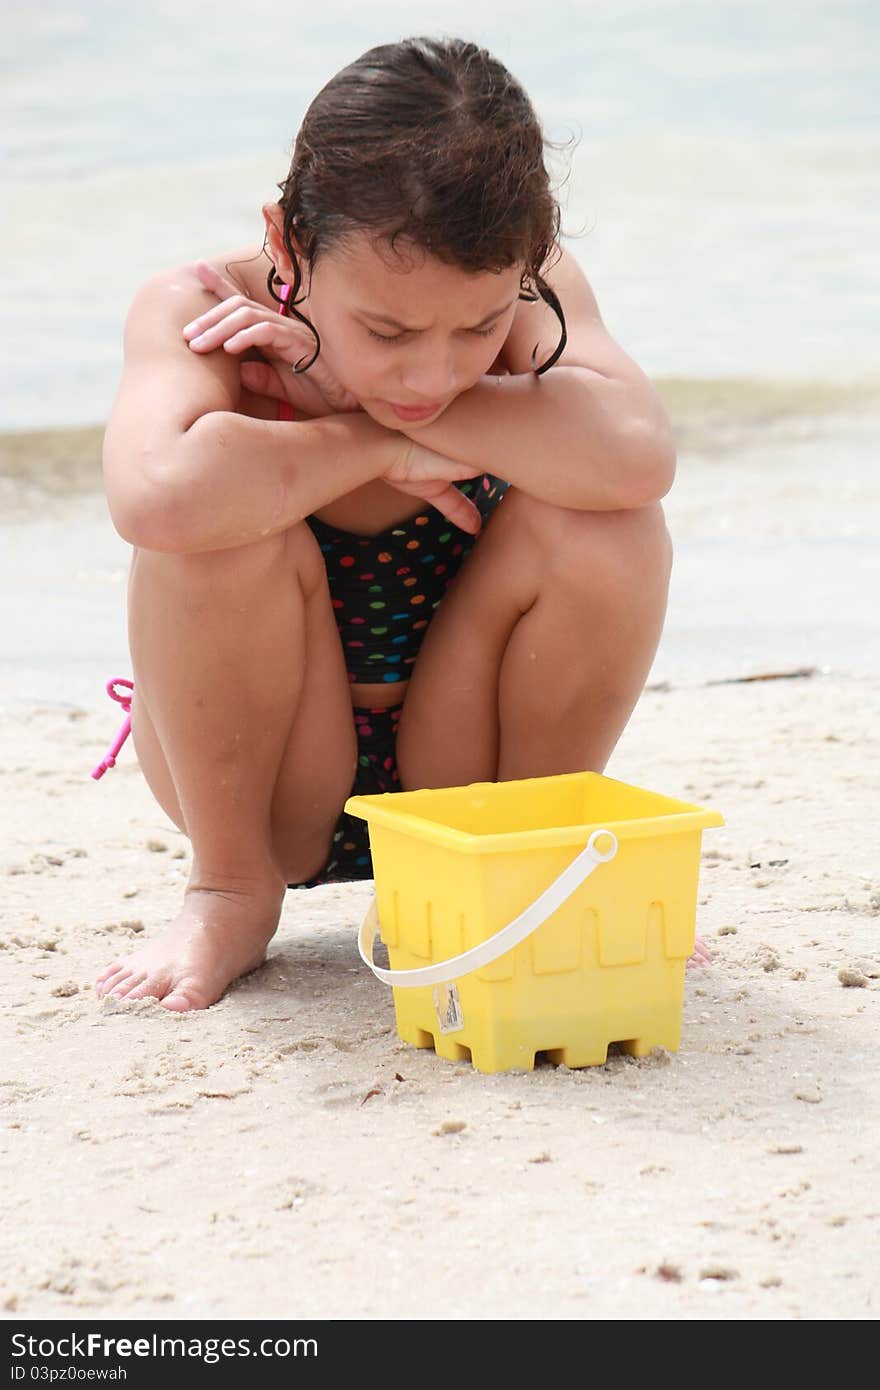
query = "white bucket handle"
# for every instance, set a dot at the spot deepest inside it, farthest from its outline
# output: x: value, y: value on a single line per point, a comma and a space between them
x: 503, y: 940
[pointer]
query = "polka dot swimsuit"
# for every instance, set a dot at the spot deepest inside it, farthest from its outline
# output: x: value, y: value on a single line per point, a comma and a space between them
x: 386, y: 588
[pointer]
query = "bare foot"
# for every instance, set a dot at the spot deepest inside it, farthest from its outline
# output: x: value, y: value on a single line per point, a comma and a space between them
x: 700, y: 956
x: 217, y: 937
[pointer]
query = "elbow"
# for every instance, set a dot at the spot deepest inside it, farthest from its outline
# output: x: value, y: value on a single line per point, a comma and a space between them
x: 146, y: 505
x: 650, y: 470
x: 143, y: 525
x: 650, y: 483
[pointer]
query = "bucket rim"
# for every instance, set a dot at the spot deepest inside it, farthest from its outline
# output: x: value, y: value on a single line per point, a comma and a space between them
x: 370, y: 809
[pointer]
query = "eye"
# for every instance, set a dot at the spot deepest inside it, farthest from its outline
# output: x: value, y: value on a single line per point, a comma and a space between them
x: 396, y: 338
x: 382, y: 338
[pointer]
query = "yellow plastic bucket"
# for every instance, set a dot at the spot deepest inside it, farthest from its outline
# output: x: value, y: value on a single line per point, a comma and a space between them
x: 552, y: 915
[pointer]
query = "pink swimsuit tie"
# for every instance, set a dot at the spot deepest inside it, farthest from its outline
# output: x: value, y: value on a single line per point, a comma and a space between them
x: 109, y: 759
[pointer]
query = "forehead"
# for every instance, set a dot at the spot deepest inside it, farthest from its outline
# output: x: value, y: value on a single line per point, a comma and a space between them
x: 376, y: 276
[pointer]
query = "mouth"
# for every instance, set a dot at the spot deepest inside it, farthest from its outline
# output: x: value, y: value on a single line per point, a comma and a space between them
x: 415, y: 412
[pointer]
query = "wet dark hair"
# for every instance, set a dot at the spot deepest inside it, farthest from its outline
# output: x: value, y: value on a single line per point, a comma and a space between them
x: 431, y: 142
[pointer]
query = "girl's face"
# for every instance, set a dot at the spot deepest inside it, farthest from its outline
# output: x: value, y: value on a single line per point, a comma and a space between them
x: 405, y: 333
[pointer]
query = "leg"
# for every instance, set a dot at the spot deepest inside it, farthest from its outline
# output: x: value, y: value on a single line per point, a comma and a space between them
x: 538, y: 652
x: 376, y: 731
x: 243, y: 726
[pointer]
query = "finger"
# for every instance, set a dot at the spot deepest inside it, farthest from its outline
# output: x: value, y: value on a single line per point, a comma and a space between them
x: 263, y: 380
x: 215, y: 282
x: 232, y: 321
x: 278, y: 383
x: 212, y: 316
x: 275, y: 343
x: 277, y: 340
x: 460, y: 510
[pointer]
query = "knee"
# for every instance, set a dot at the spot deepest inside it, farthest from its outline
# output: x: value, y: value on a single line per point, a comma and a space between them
x: 304, y: 861
x: 236, y: 569
x: 609, y: 550
x: 637, y: 542
x: 304, y: 849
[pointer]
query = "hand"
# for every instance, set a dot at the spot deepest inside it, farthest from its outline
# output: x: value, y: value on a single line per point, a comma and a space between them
x: 238, y: 324
x: 423, y: 473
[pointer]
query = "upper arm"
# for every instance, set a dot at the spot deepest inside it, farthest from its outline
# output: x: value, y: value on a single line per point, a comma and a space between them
x: 164, y: 389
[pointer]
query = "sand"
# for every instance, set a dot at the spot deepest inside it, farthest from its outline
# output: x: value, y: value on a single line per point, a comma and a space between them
x: 285, y: 1155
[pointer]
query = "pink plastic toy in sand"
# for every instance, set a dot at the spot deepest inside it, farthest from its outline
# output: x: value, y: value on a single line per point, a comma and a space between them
x: 123, y: 699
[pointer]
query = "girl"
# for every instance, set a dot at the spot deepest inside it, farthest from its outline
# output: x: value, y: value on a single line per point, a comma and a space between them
x: 394, y: 497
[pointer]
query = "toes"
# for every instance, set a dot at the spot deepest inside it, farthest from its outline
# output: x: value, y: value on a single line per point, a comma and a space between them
x: 183, y: 998
x: 105, y: 980
x: 114, y: 982
x: 699, y: 960
x: 178, y: 1003
x: 140, y: 988
x: 123, y: 988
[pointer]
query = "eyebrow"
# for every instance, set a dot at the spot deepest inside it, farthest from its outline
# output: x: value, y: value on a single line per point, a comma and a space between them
x: 407, y: 328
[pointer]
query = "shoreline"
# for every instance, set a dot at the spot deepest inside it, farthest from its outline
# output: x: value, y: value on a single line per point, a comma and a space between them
x: 707, y: 413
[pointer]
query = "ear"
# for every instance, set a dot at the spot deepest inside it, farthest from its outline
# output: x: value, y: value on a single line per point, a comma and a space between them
x: 273, y: 216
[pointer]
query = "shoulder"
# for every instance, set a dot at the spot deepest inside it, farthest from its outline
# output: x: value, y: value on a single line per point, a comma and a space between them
x: 172, y: 297
x: 162, y: 304
x: 536, y: 326
x: 164, y: 385
x: 566, y: 276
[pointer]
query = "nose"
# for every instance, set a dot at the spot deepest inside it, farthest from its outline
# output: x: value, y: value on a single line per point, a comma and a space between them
x: 429, y: 373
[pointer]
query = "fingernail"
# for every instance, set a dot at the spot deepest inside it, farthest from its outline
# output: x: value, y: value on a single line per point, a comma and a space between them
x: 189, y: 327
x: 194, y: 342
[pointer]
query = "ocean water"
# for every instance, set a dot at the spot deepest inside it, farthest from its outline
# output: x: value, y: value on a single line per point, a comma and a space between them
x: 722, y: 190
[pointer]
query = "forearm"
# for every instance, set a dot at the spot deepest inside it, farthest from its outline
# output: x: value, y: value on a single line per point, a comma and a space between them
x: 232, y: 480
x: 572, y: 437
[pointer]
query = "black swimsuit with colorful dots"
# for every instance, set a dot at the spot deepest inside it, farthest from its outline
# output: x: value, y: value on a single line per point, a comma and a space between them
x: 385, y: 589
